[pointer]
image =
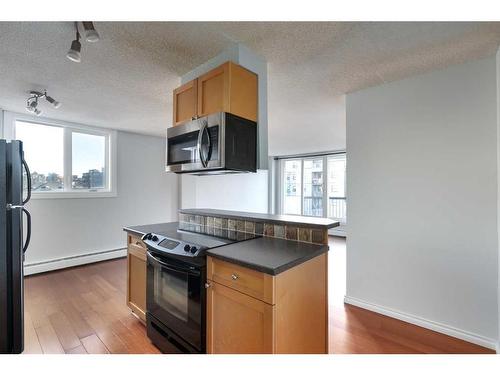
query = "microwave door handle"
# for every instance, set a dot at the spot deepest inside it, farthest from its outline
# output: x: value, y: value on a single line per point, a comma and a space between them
x: 209, y: 141
x: 203, y: 128
x: 198, y: 145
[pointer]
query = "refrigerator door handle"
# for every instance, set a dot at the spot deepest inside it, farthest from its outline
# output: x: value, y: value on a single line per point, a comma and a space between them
x: 28, y: 230
x: 28, y: 181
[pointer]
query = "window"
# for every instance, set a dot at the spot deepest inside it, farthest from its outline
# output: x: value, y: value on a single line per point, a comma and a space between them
x: 88, y: 161
x: 66, y: 160
x: 314, y: 186
x: 293, y: 187
x: 44, y: 151
x: 336, y: 187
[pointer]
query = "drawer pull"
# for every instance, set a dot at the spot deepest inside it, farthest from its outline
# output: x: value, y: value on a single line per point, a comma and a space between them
x: 234, y: 276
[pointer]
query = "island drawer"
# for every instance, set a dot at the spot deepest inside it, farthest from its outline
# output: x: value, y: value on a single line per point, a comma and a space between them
x: 253, y: 283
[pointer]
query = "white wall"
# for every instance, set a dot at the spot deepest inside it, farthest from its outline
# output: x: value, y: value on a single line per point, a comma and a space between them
x: 312, y: 124
x: 240, y: 192
x: 73, y: 227
x: 422, y: 195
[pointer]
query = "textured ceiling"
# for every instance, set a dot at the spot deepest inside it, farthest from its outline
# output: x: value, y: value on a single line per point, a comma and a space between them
x: 125, y: 80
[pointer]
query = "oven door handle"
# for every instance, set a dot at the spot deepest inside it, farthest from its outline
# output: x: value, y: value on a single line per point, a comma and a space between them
x: 173, y: 268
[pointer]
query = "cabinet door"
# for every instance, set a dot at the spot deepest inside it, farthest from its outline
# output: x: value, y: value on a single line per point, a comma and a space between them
x: 185, y: 102
x: 213, y: 91
x: 136, y: 279
x: 237, y: 323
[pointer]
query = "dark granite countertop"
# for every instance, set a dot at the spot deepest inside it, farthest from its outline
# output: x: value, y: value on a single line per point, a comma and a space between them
x: 160, y: 228
x: 317, y: 222
x: 267, y: 254
x: 264, y: 254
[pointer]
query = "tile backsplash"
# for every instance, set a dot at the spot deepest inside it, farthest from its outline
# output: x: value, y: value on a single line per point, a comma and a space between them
x: 236, y: 229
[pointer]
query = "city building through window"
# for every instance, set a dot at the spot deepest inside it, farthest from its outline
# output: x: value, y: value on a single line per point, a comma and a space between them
x: 314, y: 186
x: 66, y: 159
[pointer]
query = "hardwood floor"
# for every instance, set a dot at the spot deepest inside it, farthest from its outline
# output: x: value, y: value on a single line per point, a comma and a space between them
x: 82, y: 310
x: 355, y: 330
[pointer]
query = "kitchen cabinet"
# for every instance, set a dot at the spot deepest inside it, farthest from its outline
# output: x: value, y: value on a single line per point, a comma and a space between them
x: 227, y: 88
x: 253, y: 312
x: 238, y: 323
x: 185, y: 102
x: 136, y: 276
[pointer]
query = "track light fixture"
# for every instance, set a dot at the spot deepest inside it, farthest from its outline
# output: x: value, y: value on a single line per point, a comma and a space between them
x: 31, y: 105
x: 74, y: 51
x: 32, y: 102
x: 91, y: 35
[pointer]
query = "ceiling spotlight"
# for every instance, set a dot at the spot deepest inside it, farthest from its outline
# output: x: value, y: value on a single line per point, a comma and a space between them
x: 31, y: 105
x: 32, y: 102
x: 52, y: 101
x: 91, y: 34
x: 74, y: 51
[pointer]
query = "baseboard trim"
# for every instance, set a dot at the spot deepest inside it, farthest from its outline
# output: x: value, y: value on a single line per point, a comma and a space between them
x: 421, y: 322
x: 77, y: 260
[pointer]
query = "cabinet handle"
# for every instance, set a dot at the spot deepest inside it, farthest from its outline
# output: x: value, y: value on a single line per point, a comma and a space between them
x: 234, y: 276
x: 138, y: 243
x: 207, y: 285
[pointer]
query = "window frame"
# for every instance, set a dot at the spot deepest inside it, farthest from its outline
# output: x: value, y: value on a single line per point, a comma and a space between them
x: 302, y: 158
x: 110, y: 189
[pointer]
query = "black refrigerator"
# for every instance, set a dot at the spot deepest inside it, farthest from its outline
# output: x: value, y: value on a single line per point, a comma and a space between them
x: 13, y: 244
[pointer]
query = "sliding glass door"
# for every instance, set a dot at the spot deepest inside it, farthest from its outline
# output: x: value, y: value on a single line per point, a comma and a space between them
x: 312, y: 196
x: 314, y: 186
x: 336, y: 187
x: 292, y: 187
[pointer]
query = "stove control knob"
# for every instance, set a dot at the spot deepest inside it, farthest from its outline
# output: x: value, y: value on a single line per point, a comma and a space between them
x: 155, y: 238
x: 187, y: 248
x: 149, y: 236
x: 194, y: 249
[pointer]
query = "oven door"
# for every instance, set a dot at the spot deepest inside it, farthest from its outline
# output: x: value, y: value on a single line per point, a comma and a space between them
x: 196, y: 145
x: 175, y: 297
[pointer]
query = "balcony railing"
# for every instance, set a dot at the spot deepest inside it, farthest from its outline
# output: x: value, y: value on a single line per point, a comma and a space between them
x: 337, y: 209
x: 313, y: 206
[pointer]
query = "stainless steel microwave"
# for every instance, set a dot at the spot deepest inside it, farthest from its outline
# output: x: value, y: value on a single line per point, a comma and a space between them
x: 216, y: 144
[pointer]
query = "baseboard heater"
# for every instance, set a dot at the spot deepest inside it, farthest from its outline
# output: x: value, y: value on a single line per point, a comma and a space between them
x: 72, y: 261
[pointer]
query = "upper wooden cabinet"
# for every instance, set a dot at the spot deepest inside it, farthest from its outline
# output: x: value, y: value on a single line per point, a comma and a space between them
x: 227, y: 88
x: 185, y: 102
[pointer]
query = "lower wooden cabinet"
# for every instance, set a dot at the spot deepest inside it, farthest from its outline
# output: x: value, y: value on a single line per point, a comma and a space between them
x: 238, y: 323
x: 252, y: 312
x: 136, y: 276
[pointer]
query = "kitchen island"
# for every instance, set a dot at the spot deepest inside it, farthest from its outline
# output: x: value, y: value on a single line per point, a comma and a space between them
x: 266, y: 290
